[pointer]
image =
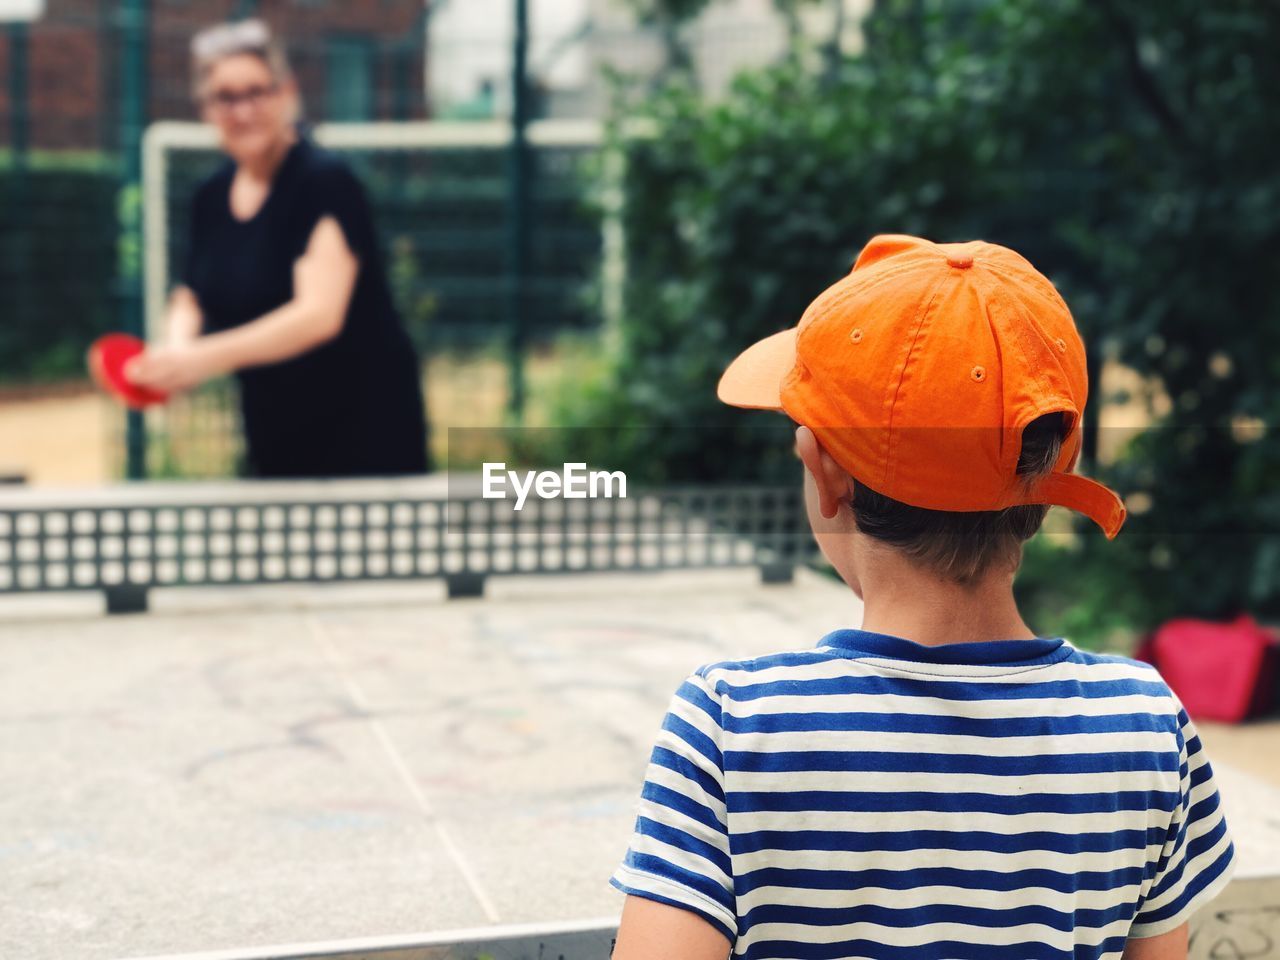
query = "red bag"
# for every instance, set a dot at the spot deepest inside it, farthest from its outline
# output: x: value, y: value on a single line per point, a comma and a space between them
x: 1220, y: 671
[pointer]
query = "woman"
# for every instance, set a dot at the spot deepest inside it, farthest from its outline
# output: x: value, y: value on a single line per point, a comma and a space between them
x: 285, y: 287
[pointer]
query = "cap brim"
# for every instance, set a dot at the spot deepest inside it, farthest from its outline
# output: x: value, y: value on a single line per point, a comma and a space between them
x: 754, y: 379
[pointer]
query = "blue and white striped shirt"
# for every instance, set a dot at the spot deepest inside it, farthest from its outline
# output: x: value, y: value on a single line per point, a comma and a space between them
x: 874, y: 797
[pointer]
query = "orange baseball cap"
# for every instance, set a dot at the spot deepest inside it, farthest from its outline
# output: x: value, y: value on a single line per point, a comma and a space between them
x: 919, y: 370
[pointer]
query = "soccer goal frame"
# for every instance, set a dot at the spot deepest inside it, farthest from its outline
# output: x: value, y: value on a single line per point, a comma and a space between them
x: 163, y: 138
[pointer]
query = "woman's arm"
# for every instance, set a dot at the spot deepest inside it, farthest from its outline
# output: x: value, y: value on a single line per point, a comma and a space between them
x: 1167, y: 946
x: 323, y: 280
x: 656, y: 931
x: 183, y: 319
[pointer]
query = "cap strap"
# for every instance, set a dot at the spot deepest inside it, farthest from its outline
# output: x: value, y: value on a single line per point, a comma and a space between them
x: 1097, y: 502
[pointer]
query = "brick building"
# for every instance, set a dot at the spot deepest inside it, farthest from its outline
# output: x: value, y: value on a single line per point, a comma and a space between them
x: 354, y: 59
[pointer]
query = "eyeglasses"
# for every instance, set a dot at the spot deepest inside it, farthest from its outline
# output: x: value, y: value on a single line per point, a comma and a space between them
x: 224, y: 101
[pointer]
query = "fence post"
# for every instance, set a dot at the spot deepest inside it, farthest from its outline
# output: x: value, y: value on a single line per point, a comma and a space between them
x: 518, y: 210
x: 19, y: 205
x: 19, y: 99
x: 133, y: 25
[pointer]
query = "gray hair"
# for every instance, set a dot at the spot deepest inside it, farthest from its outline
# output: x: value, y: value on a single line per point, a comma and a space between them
x: 252, y: 37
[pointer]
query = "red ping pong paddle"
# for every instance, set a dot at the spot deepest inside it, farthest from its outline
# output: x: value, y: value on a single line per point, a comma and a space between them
x: 107, y: 359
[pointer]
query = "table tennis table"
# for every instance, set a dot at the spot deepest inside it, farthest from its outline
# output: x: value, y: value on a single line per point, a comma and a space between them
x: 369, y: 768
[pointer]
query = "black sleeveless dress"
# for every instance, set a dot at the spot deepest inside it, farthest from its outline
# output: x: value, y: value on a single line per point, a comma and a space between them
x: 351, y: 407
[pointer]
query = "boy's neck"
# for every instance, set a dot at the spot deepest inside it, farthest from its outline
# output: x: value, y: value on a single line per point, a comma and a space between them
x: 901, y: 602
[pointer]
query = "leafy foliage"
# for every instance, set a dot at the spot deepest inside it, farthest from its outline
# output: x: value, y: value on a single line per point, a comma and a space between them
x: 1123, y: 147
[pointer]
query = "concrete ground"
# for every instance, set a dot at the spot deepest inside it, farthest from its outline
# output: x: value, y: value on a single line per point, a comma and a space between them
x: 297, y: 764
x: 64, y: 438
x: 1253, y: 746
x: 348, y: 762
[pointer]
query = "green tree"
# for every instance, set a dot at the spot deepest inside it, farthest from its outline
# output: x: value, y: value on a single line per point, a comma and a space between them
x: 671, y: 17
x: 1123, y: 147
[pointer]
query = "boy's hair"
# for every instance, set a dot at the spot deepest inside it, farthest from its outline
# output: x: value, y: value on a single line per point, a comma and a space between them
x: 963, y: 547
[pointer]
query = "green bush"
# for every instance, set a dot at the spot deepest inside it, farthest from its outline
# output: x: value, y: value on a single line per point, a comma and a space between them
x: 1121, y: 146
x: 57, y: 268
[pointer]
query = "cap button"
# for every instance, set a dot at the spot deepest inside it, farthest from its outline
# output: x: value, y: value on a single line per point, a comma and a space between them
x: 962, y: 263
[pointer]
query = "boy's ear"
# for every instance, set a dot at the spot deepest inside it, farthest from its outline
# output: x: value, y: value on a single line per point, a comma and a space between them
x: 834, y: 485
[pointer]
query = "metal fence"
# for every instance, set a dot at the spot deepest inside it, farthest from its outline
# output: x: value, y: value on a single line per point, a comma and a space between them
x: 439, y: 196
x: 438, y: 192
x: 371, y: 76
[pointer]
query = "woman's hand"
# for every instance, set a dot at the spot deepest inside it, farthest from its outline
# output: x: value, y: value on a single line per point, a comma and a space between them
x: 172, y: 369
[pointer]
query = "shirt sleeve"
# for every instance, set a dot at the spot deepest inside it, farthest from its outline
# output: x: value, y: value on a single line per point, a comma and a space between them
x: 331, y: 189
x: 1198, y: 858
x: 679, y: 852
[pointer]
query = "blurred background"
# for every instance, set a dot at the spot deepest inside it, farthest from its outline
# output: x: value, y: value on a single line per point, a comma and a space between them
x: 587, y: 208
x: 683, y: 176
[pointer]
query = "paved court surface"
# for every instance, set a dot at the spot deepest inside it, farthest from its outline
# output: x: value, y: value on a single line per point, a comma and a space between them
x: 297, y: 764
x: 348, y: 762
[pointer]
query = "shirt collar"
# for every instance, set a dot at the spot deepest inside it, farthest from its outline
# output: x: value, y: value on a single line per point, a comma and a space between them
x: 981, y: 652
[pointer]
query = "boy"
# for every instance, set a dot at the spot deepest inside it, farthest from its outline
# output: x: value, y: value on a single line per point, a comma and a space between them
x: 942, y: 783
